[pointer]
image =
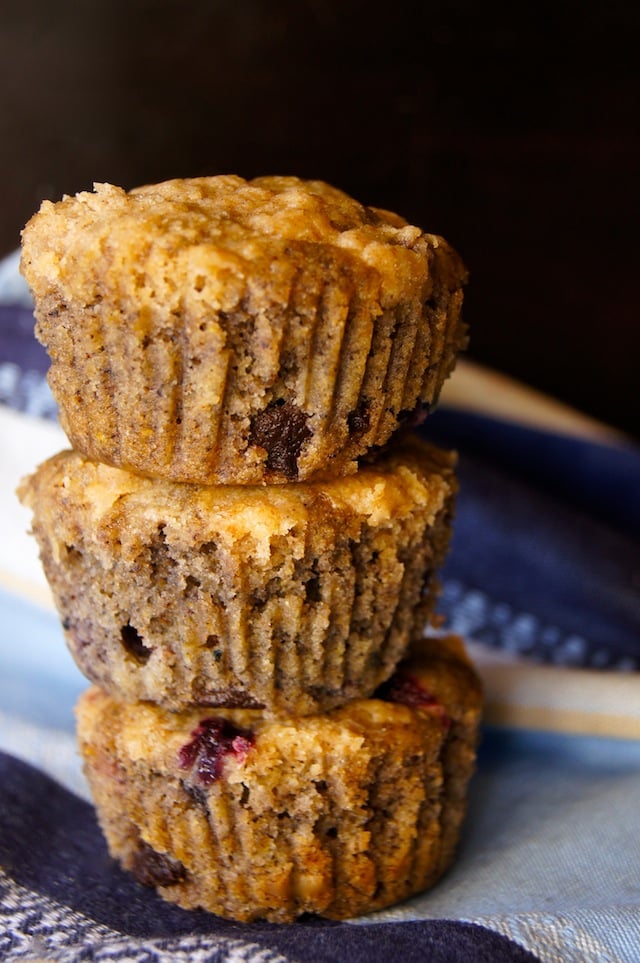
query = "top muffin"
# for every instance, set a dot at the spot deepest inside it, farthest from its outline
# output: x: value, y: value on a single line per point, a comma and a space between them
x: 217, y: 330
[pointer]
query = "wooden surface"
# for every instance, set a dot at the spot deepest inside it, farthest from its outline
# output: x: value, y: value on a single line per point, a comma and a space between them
x: 512, y: 129
x: 523, y: 695
x: 474, y: 387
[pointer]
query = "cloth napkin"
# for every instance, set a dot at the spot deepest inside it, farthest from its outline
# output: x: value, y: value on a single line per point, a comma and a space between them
x: 545, y: 563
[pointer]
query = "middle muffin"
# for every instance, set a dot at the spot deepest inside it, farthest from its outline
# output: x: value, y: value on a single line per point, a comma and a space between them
x: 293, y: 599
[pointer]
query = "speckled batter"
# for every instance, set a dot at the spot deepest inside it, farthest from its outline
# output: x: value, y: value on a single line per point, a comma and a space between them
x: 217, y: 330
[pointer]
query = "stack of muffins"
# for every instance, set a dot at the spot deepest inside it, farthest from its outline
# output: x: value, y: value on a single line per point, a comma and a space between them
x: 243, y: 543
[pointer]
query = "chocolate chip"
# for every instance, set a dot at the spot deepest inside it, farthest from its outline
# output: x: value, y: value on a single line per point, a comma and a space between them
x: 281, y: 429
x: 134, y: 644
x: 312, y: 589
x: 156, y: 869
x: 223, y: 698
x: 414, y: 417
x: 359, y: 420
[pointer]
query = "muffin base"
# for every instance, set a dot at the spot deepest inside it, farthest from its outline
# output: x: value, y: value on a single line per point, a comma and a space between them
x: 337, y: 814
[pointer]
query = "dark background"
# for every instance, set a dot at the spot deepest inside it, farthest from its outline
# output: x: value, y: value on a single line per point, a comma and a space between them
x: 511, y: 128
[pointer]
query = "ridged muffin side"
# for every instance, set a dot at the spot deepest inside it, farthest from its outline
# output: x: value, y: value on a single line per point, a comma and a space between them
x: 291, y: 598
x: 336, y: 814
x: 216, y: 330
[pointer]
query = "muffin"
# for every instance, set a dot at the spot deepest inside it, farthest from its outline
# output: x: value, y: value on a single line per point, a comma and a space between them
x: 291, y: 598
x: 217, y: 330
x: 335, y: 814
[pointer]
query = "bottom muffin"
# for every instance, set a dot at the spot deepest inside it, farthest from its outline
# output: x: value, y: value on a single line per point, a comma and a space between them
x: 335, y: 814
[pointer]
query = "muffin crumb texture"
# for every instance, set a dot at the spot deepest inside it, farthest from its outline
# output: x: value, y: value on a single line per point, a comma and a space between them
x: 217, y: 330
x: 244, y: 542
x: 337, y: 814
x: 291, y: 598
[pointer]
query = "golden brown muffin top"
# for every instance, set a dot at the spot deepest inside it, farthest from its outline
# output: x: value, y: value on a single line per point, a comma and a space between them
x: 440, y: 673
x: 201, y: 239
x: 87, y: 499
